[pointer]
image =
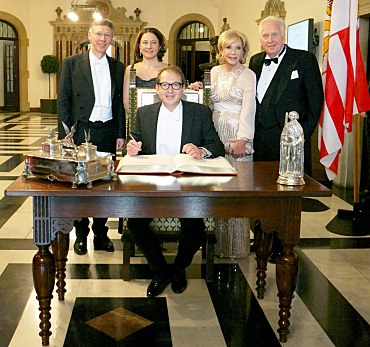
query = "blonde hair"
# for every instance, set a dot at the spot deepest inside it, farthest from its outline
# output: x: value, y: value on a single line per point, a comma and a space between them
x: 228, y: 37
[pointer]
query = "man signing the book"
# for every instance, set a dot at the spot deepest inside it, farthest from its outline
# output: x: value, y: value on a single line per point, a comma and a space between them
x: 172, y: 126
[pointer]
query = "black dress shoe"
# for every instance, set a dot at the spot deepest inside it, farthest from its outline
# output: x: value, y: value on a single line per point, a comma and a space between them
x: 253, y: 247
x: 158, y: 285
x: 179, y: 282
x: 80, y: 246
x: 103, y: 243
x: 276, y: 248
x: 272, y: 258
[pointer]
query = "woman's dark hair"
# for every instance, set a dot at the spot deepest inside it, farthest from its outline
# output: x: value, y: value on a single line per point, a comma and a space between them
x: 162, y: 43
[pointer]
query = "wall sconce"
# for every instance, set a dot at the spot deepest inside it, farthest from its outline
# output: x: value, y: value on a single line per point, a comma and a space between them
x: 75, y: 7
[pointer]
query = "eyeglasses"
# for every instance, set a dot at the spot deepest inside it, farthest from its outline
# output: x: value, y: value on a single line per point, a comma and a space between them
x: 100, y: 35
x: 166, y: 85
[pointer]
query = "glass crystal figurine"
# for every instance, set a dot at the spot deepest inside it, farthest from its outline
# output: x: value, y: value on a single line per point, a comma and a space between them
x: 291, y: 169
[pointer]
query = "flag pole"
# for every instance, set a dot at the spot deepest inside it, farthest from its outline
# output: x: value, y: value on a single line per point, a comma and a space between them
x: 356, y: 159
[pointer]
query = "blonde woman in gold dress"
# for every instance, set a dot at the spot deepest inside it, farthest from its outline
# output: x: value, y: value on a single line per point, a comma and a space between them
x: 233, y: 91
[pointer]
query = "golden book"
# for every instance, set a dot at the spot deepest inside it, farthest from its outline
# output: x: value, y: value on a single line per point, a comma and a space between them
x: 174, y: 165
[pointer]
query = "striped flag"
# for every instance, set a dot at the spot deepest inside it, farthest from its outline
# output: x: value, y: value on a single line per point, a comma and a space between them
x: 345, y: 86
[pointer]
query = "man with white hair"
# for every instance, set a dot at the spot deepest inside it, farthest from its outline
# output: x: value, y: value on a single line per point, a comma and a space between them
x: 287, y: 80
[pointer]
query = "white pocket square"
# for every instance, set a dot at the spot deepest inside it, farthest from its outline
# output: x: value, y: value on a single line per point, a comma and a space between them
x: 294, y: 75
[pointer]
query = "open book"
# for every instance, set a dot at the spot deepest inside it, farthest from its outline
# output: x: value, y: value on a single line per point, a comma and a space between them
x: 178, y: 164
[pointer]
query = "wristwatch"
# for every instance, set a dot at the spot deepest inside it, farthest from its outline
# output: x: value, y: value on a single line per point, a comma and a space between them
x: 205, y: 152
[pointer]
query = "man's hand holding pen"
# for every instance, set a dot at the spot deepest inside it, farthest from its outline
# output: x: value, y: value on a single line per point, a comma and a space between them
x: 133, y: 146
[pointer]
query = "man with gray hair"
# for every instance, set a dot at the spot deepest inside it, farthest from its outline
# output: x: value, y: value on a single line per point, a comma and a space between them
x: 287, y: 80
x: 90, y: 96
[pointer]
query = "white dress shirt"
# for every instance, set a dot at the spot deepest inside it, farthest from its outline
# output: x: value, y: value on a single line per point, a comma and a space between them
x: 169, y: 130
x: 100, y: 72
x: 267, y: 74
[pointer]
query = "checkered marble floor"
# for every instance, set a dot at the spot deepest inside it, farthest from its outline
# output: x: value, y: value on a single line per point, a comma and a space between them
x: 331, y: 305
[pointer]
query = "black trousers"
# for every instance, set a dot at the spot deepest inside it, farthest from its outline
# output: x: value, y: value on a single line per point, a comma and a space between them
x: 192, y: 236
x: 266, y: 143
x: 103, y: 136
x: 82, y: 226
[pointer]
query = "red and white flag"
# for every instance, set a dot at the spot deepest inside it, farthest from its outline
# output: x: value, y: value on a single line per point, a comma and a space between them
x: 345, y: 86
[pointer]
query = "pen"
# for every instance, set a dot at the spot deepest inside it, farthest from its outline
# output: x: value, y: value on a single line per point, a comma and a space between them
x: 132, y: 138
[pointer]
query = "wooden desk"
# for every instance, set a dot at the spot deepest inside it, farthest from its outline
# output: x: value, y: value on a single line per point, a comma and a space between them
x: 253, y: 193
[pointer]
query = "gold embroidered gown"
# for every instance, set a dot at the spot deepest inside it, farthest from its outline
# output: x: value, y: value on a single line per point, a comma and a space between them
x: 233, y: 98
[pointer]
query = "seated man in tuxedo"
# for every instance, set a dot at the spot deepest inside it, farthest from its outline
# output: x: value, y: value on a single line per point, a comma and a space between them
x: 170, y: 127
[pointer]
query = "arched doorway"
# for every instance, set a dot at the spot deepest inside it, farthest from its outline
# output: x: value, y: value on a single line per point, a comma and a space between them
x: 177, y: 27
x: 9, y: 68
x: 192, y: 49
x: 22, y: 58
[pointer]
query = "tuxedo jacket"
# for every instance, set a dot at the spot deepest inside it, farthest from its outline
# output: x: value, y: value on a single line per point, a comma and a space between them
x: 197, y: 128
x: 296, y: 86
x: 76, y: 95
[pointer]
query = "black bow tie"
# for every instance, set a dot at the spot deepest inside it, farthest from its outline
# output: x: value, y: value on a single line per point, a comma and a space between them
x: 274, y: 60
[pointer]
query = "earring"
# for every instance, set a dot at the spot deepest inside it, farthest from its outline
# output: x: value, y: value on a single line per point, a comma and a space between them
x: 140, y: 54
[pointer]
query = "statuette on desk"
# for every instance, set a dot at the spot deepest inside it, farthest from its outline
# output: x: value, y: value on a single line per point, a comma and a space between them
x: 291, y: 168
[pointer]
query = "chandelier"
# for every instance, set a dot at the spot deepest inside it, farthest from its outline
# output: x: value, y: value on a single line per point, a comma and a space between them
x: 76, y: 7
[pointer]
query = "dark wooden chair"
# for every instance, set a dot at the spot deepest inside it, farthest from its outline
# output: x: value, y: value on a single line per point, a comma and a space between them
x: 166, y: 229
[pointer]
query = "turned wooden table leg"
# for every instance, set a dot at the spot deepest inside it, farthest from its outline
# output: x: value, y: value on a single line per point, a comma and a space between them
x: 43, y: 268
x: 60, y: 247
x: 286, y: 279
x: 263, y: 247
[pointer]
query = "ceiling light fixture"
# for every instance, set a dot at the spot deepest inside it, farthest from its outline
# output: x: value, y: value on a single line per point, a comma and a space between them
x: 75, y: 7
x: 96, y: 15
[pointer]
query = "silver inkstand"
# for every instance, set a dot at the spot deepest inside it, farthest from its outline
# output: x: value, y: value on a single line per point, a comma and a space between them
x: 291, y: 168
x: 64, y: 161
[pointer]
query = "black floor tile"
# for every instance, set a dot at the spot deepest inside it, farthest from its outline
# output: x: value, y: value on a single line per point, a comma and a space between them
x: 154, y: 309
x: 242, y: 320
x: 94, y: 271
x: 7, y: 178
x: 8, y: 206
x: 15, y: 287
x: 336, y: 316
x: 336, y: 243
x: 346, y: 332
x: 17, y: 244
x: 11, y: 163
